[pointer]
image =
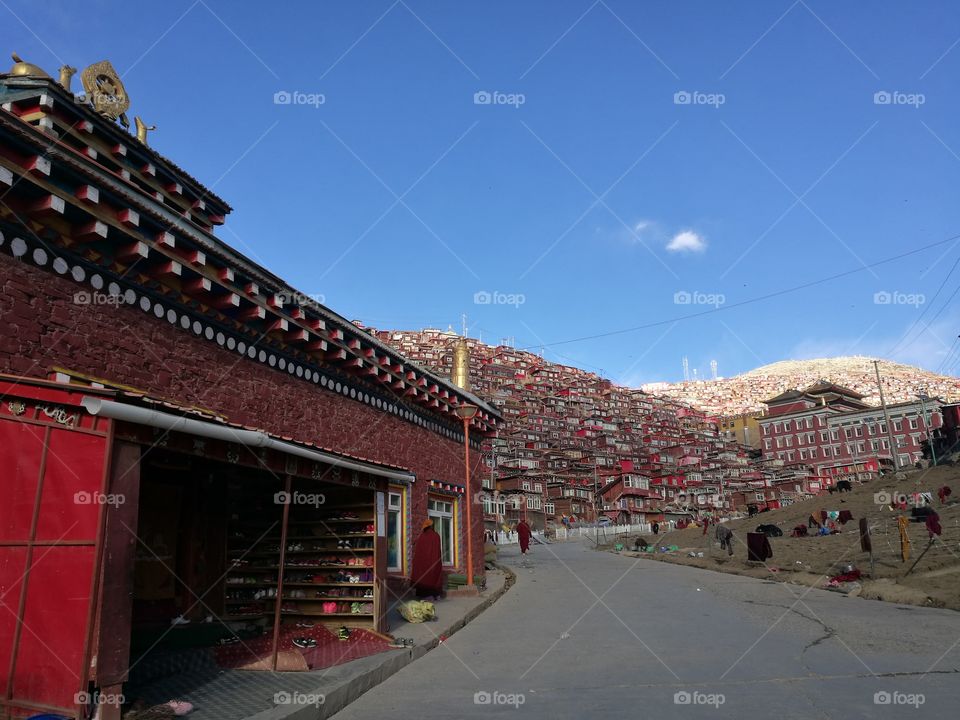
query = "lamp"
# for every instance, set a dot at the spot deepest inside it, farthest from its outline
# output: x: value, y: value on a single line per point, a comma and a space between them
x: 468, y: 412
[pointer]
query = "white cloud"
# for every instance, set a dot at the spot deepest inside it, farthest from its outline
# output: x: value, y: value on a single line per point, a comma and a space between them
x: 687, y: 242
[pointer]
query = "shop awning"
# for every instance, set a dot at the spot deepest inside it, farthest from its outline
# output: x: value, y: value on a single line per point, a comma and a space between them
x: 236, y: 434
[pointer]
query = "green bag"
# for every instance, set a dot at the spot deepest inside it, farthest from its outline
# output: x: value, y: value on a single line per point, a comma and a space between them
x: 417, y: 611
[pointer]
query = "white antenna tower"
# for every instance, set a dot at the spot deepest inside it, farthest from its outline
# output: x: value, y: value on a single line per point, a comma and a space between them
x: 694, y: 374
x: 686, y: 369
x: 464, y: 320
x: 713, y: 369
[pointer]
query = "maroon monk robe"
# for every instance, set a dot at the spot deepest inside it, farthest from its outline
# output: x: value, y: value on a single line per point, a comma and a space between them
x: 427, y: 571
x: 523, y: 534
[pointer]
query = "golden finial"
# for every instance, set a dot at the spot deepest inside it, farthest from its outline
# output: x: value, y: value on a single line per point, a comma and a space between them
x: 25, y: 69
x: 66, y: 76
x: 143, y: 129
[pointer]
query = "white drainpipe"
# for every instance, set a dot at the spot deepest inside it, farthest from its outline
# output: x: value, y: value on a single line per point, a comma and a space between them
x: 250, y: 438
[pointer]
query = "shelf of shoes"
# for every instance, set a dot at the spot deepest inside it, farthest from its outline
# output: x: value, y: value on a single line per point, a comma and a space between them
x: 328, y: 570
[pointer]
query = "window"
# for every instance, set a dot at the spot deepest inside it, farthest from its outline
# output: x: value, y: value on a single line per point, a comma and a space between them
x: 809, y: 423
x: 824, y: 436
x: 549, y: 509
x: 441, y: 512
x: 803, y: 454
x: 533, y: 502
x: 859, y: 431
x: 395, y: 550
x: 834, y: 435
x: 526, y: 485
x: 913, y: 423
x: 538, y: 487
x: 897, y: 425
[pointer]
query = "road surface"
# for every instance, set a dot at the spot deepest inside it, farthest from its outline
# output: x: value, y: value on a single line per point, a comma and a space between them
x: 591, y: 634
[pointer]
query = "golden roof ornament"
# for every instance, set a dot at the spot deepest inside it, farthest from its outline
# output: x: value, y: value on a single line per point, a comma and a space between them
x: 66, y: 76
x: 25, y: 69
x: 143, y: 129
x: 105, y: 91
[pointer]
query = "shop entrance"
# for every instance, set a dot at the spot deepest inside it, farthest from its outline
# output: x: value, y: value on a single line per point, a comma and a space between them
x: 238, y: 568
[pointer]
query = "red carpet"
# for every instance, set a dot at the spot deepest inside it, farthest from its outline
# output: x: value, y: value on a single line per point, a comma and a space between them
x: 330, y: 651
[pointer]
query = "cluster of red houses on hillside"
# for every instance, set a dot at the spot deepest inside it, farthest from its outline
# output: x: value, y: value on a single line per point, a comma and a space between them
x: 576, y: 445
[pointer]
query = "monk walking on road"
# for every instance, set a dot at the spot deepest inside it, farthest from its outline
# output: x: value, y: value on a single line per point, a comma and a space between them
x: 427, y: 571
x: 523, y: 534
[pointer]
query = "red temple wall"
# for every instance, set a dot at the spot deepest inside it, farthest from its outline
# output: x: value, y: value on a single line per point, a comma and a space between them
x: 41, y: 327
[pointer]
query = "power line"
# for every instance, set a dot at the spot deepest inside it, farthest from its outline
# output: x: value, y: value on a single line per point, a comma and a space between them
x: 925, y: 309
x: 751, y: 301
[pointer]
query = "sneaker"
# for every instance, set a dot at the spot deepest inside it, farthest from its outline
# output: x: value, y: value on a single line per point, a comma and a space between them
x: 304, y: 642
x: 179, y: 620
x: 398, y: 643
x: 232, y: 640
x: 343, y: 633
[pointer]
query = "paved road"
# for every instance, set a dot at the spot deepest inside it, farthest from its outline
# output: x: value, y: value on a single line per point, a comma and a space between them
x: 586, y: 634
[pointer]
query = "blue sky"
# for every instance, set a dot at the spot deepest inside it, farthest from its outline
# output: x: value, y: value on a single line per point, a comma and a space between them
x: 632, y: 155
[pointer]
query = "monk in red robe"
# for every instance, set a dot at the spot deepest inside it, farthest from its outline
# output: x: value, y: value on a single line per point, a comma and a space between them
x: 523, y: 534
x: 427, y: 571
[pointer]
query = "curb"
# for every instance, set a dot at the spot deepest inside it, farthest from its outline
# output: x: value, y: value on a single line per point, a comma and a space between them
x: 344, y: 694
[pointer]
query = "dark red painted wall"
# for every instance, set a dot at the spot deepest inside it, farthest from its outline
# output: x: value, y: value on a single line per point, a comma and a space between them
x: 41, y: 327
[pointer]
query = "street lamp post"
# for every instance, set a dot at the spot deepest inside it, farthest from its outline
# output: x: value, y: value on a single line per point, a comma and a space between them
x: 467, y: 412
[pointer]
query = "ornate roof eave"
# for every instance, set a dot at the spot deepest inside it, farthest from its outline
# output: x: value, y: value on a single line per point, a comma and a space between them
x: 441, y: 393
x: 83, y: 111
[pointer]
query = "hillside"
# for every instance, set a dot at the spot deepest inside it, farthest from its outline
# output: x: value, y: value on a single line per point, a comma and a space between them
x: 746, y: 392
x: 813, y: 560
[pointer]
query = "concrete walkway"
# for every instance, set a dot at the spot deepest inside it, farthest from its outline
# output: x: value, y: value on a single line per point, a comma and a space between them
x: 586, y: 633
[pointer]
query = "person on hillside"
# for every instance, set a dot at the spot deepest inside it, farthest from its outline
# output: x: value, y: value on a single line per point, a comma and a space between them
x: 656, y: 528
x: 427, y: 571
x: 523, y: 534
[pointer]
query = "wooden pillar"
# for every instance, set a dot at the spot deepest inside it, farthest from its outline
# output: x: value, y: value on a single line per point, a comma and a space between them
x: 283, y: 555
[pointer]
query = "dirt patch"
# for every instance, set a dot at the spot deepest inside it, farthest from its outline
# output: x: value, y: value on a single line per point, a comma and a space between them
x: 814, y: 560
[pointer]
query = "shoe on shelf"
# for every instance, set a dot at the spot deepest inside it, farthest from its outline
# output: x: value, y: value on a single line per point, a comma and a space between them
x: 343, y: 633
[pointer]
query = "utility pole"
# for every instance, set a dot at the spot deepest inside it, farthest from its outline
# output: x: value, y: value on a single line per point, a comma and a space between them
x: 926, y: 423
x: 886, y: 417
x: 596, y: 500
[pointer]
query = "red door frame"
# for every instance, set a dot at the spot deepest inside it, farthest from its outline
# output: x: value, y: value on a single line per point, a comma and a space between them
x: 53, y: 408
